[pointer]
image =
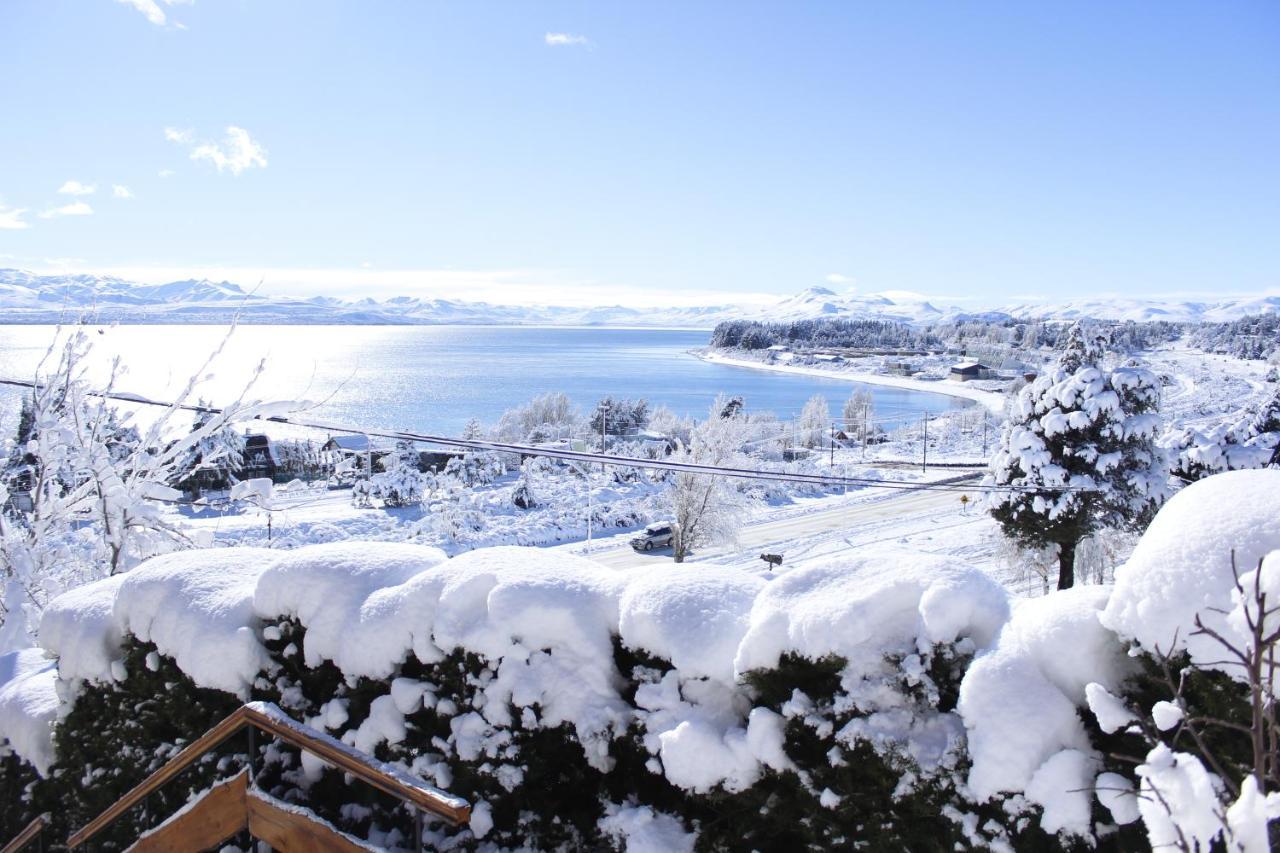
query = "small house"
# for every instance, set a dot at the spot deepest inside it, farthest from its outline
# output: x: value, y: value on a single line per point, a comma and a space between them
x: 347, y: 445
x: 896, y: 367
x: 970, y: 370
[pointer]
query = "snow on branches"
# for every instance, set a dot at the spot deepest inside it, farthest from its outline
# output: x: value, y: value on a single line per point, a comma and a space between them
x: 81, y: 488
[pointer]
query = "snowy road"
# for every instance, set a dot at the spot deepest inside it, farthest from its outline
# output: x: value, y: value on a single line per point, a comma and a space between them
x: 777, y: 536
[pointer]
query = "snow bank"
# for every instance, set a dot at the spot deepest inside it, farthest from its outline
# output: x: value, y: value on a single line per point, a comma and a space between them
x: 1181, y: 568
x: 870, y: 604
x: 1019, y: 703
x: 80, y: 629
x: 28, y: 706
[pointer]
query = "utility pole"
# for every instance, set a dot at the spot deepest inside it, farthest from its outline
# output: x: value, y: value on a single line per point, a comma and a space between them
x: 833, y: 444
x: 984, y: 433
x: 586, y: 470
x: 865, y: 415
x: 924, y: 446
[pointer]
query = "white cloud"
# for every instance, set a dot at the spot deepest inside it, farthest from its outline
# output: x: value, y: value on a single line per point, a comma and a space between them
x: 121, y: 191
x: 237, y: 151
x: 76, y: 208
x: 565, y: 40
x: 166, y: 173
x: 152, y: 12
x: 837, y: 278
x: 77, y: 188
x: 11, y: 218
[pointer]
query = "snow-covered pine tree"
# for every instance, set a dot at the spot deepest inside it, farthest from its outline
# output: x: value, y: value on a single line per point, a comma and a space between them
x: 1079, y: 452
x: 212, y: 459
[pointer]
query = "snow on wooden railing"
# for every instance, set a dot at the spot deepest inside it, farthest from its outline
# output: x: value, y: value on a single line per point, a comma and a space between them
x: 269, y: 719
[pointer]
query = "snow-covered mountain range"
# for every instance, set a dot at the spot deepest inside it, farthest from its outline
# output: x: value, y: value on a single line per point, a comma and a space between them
x: 29, y: 298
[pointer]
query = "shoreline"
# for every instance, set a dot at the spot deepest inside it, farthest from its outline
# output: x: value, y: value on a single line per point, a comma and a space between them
x: 993, y: 401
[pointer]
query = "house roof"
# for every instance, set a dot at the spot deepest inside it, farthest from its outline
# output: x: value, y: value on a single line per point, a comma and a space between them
x: 355, y: 443
x: 969, y: 365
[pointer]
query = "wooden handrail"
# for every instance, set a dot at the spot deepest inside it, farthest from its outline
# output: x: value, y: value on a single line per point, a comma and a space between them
x: 28, y: 834
x: 267, y: 718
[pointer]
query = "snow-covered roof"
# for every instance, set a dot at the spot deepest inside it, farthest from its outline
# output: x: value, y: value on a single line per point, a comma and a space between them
x: 969, y: 365
x: 355, y: 443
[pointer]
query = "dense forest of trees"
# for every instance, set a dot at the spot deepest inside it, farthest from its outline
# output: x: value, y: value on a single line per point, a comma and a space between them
x: 1248, y: 337
x: 1003, y: 332
x: 879, y: 334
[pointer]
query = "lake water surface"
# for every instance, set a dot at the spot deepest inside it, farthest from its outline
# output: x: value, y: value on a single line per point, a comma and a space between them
x: 434, y: 378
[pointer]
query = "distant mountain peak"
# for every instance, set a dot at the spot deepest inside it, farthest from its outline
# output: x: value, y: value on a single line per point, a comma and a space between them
x: 29, y: 298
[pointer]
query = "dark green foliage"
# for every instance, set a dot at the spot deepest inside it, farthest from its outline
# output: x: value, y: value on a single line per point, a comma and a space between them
x: 117, y: 734
x: 19, y: 794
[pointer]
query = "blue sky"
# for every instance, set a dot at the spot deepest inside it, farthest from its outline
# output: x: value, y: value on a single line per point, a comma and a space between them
x: 634, y: 152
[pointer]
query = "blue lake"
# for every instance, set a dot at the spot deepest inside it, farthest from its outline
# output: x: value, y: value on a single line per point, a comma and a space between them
x: 434, y: 378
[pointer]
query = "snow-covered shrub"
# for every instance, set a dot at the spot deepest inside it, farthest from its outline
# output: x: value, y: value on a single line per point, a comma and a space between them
x: 576, y: 706
x: 1200, y: 717
x: 476, y: 469
x: 1117, y: 716
x: 1251, y: 441
x: 401, y: 483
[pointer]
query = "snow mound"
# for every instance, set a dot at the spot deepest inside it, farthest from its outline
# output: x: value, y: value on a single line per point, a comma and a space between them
x: 28, y: 706
x: 1181, y: 568
x: 640, y: 829
x: 338, y: 591
x: 79, y: 627
x: 547, y: 621
x: 197, y: 608
x: 695, y: 619
x: 865, y: 606
x: 1019, y: 704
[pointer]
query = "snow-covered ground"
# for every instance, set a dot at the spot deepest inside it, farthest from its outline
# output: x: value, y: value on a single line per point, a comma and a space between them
x: 805, y: 524
x: 862, y: 371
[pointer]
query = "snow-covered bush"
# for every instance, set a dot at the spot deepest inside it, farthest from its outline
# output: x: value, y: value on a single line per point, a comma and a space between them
x: 1251, y: 441
x: 400, y: 484
x: 1078, y: 453
x: 574, y: 705
x: 1200, y: 718
x: 1145, y: 714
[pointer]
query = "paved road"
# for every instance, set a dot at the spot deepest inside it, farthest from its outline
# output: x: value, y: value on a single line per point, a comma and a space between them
x: 774, y: 536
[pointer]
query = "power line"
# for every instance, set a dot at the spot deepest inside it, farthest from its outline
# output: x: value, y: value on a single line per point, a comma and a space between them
x: 573, y: 455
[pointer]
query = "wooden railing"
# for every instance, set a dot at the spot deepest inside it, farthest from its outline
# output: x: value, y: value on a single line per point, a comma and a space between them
x: 267, y: 718
x: 30, y: 833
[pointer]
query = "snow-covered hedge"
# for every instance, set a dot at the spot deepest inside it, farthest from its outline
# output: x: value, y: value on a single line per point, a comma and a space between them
x: 886, y: 697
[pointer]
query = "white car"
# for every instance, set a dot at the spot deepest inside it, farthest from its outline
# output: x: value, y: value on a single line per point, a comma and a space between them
x: 656, y: 535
